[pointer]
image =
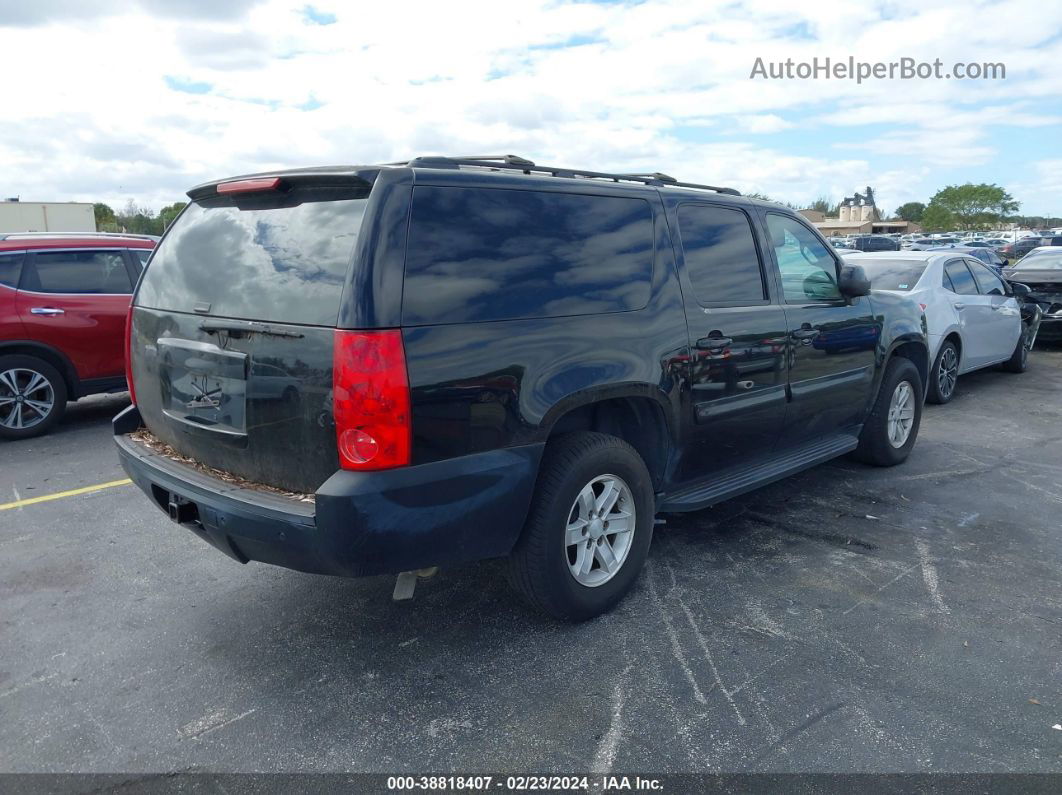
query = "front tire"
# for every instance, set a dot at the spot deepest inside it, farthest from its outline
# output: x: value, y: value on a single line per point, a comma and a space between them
x: 945, y: 374
x: 1019, y: 360
x: 32, y: 396
x: 588, y: 531
x: 890, y: 431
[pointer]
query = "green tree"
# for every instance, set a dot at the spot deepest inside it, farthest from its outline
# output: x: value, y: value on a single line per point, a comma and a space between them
x: 912, y: 211
x: 824, y: 206
x: 169, y: 212
x: 105, y: 220
x: 937, y: 219
x: 974, y: 206
x: 139, y: 220
x: 766, y: 198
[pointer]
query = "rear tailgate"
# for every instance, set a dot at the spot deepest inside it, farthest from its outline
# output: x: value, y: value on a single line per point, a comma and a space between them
x: 233, y: 328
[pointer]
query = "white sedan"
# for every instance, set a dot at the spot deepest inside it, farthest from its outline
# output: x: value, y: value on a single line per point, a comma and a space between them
x: 972, y: 316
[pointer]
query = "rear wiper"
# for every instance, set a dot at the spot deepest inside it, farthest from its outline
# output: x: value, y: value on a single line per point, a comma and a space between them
x: 246, y: 327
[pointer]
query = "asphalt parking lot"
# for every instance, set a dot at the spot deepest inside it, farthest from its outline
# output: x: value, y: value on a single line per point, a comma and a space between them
x: 847, y: 619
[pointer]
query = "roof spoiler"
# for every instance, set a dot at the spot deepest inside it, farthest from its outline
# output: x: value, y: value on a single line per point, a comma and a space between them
x: 283, y: 181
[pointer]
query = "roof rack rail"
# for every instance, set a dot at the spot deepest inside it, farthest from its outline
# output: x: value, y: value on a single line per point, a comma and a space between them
x: 19, y: 235
x: 517, y: 163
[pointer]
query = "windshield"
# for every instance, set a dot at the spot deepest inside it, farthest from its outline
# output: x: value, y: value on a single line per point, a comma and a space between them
x: 892, y: 274
x: 280, y: 258
x: 1040, y: 261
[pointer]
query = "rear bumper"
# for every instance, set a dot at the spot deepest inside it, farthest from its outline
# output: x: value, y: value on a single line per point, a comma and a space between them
x: 362, y: 523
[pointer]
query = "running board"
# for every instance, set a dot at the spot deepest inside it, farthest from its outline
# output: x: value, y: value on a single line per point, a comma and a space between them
x: 737, y: 480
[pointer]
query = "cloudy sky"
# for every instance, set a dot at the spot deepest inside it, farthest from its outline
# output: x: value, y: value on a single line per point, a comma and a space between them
x: 140, y: 99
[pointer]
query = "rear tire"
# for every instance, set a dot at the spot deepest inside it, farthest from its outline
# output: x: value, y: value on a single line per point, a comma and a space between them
x: 32, y: 396
x: 1019, y: 360
x: 546, y: 566
x: 899, y: 403
x: 944, y: 376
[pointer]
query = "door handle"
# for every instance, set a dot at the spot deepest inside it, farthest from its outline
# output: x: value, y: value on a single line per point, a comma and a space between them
x: 959, y: 305
x: 46, y: 310
x: 805, y: 333
x: 713, y: 342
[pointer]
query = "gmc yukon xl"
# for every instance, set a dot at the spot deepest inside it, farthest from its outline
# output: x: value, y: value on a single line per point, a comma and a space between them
x: 385, y: 369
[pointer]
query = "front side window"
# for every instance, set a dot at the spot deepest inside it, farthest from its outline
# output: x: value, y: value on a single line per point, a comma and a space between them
x: 482, y: 254
x: 75, y: 272
x: 809, y: 272
x: 10, y: 268
x: 958, y: 278
x: 988, y: 282
x: 720, y: 253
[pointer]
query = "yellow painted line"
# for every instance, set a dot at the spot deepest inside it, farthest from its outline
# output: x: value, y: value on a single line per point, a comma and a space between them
x: 72, y: 493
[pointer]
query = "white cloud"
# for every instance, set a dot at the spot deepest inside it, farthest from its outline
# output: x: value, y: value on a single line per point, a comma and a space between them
x: 662, y: 86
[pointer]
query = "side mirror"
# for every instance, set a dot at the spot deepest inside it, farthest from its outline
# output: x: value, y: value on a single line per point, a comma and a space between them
x: 854, y: 281
x: 1020, y: 290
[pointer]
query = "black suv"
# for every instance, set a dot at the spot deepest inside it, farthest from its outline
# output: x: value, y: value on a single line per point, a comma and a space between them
x: 365, y: 370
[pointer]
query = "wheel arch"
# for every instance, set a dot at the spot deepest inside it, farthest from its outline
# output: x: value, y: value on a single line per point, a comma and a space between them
x: 53, y: 356
x: 637, y: 413
x: 911, y: 347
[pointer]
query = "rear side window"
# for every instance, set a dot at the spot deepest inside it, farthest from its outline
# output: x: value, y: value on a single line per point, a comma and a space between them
x: 961, y: 281
x: 280, y: 258
x: 720, y: 252
x: 91, y: 272
x: 10, y: 268
x: 479, y: 254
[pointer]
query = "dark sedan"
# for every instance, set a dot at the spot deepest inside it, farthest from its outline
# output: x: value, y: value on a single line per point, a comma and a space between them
x: 986, y: 255
x: 1027, y: 244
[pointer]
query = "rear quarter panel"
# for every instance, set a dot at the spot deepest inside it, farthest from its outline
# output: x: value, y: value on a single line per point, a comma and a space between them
x: 902, y: 322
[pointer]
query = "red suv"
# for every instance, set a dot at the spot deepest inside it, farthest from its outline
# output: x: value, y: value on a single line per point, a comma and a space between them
x: 63, y: 303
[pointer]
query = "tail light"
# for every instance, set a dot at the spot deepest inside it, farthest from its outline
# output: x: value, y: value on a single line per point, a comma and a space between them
x: 129, y: 353
x: 370, y: 400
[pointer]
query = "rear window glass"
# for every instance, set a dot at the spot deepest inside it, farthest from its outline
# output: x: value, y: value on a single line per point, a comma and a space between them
x: 887, y: 274
x: 1037, y: 261
x: 77, y: 272
x: 479, y: 254
x: 249, y: 258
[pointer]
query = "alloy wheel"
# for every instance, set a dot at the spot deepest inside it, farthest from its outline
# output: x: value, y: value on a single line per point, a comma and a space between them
x: 901, y: 414
x: 600, y: 530
x: 948, y: 372
x: 26, y: 398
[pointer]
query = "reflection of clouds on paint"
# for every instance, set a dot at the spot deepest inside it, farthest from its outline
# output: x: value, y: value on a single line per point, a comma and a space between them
x: 488, y: 254
x: 281, y: 264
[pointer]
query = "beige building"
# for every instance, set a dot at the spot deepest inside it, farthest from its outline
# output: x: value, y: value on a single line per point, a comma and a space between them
x: 19, y: 216
x: 858, y: 215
